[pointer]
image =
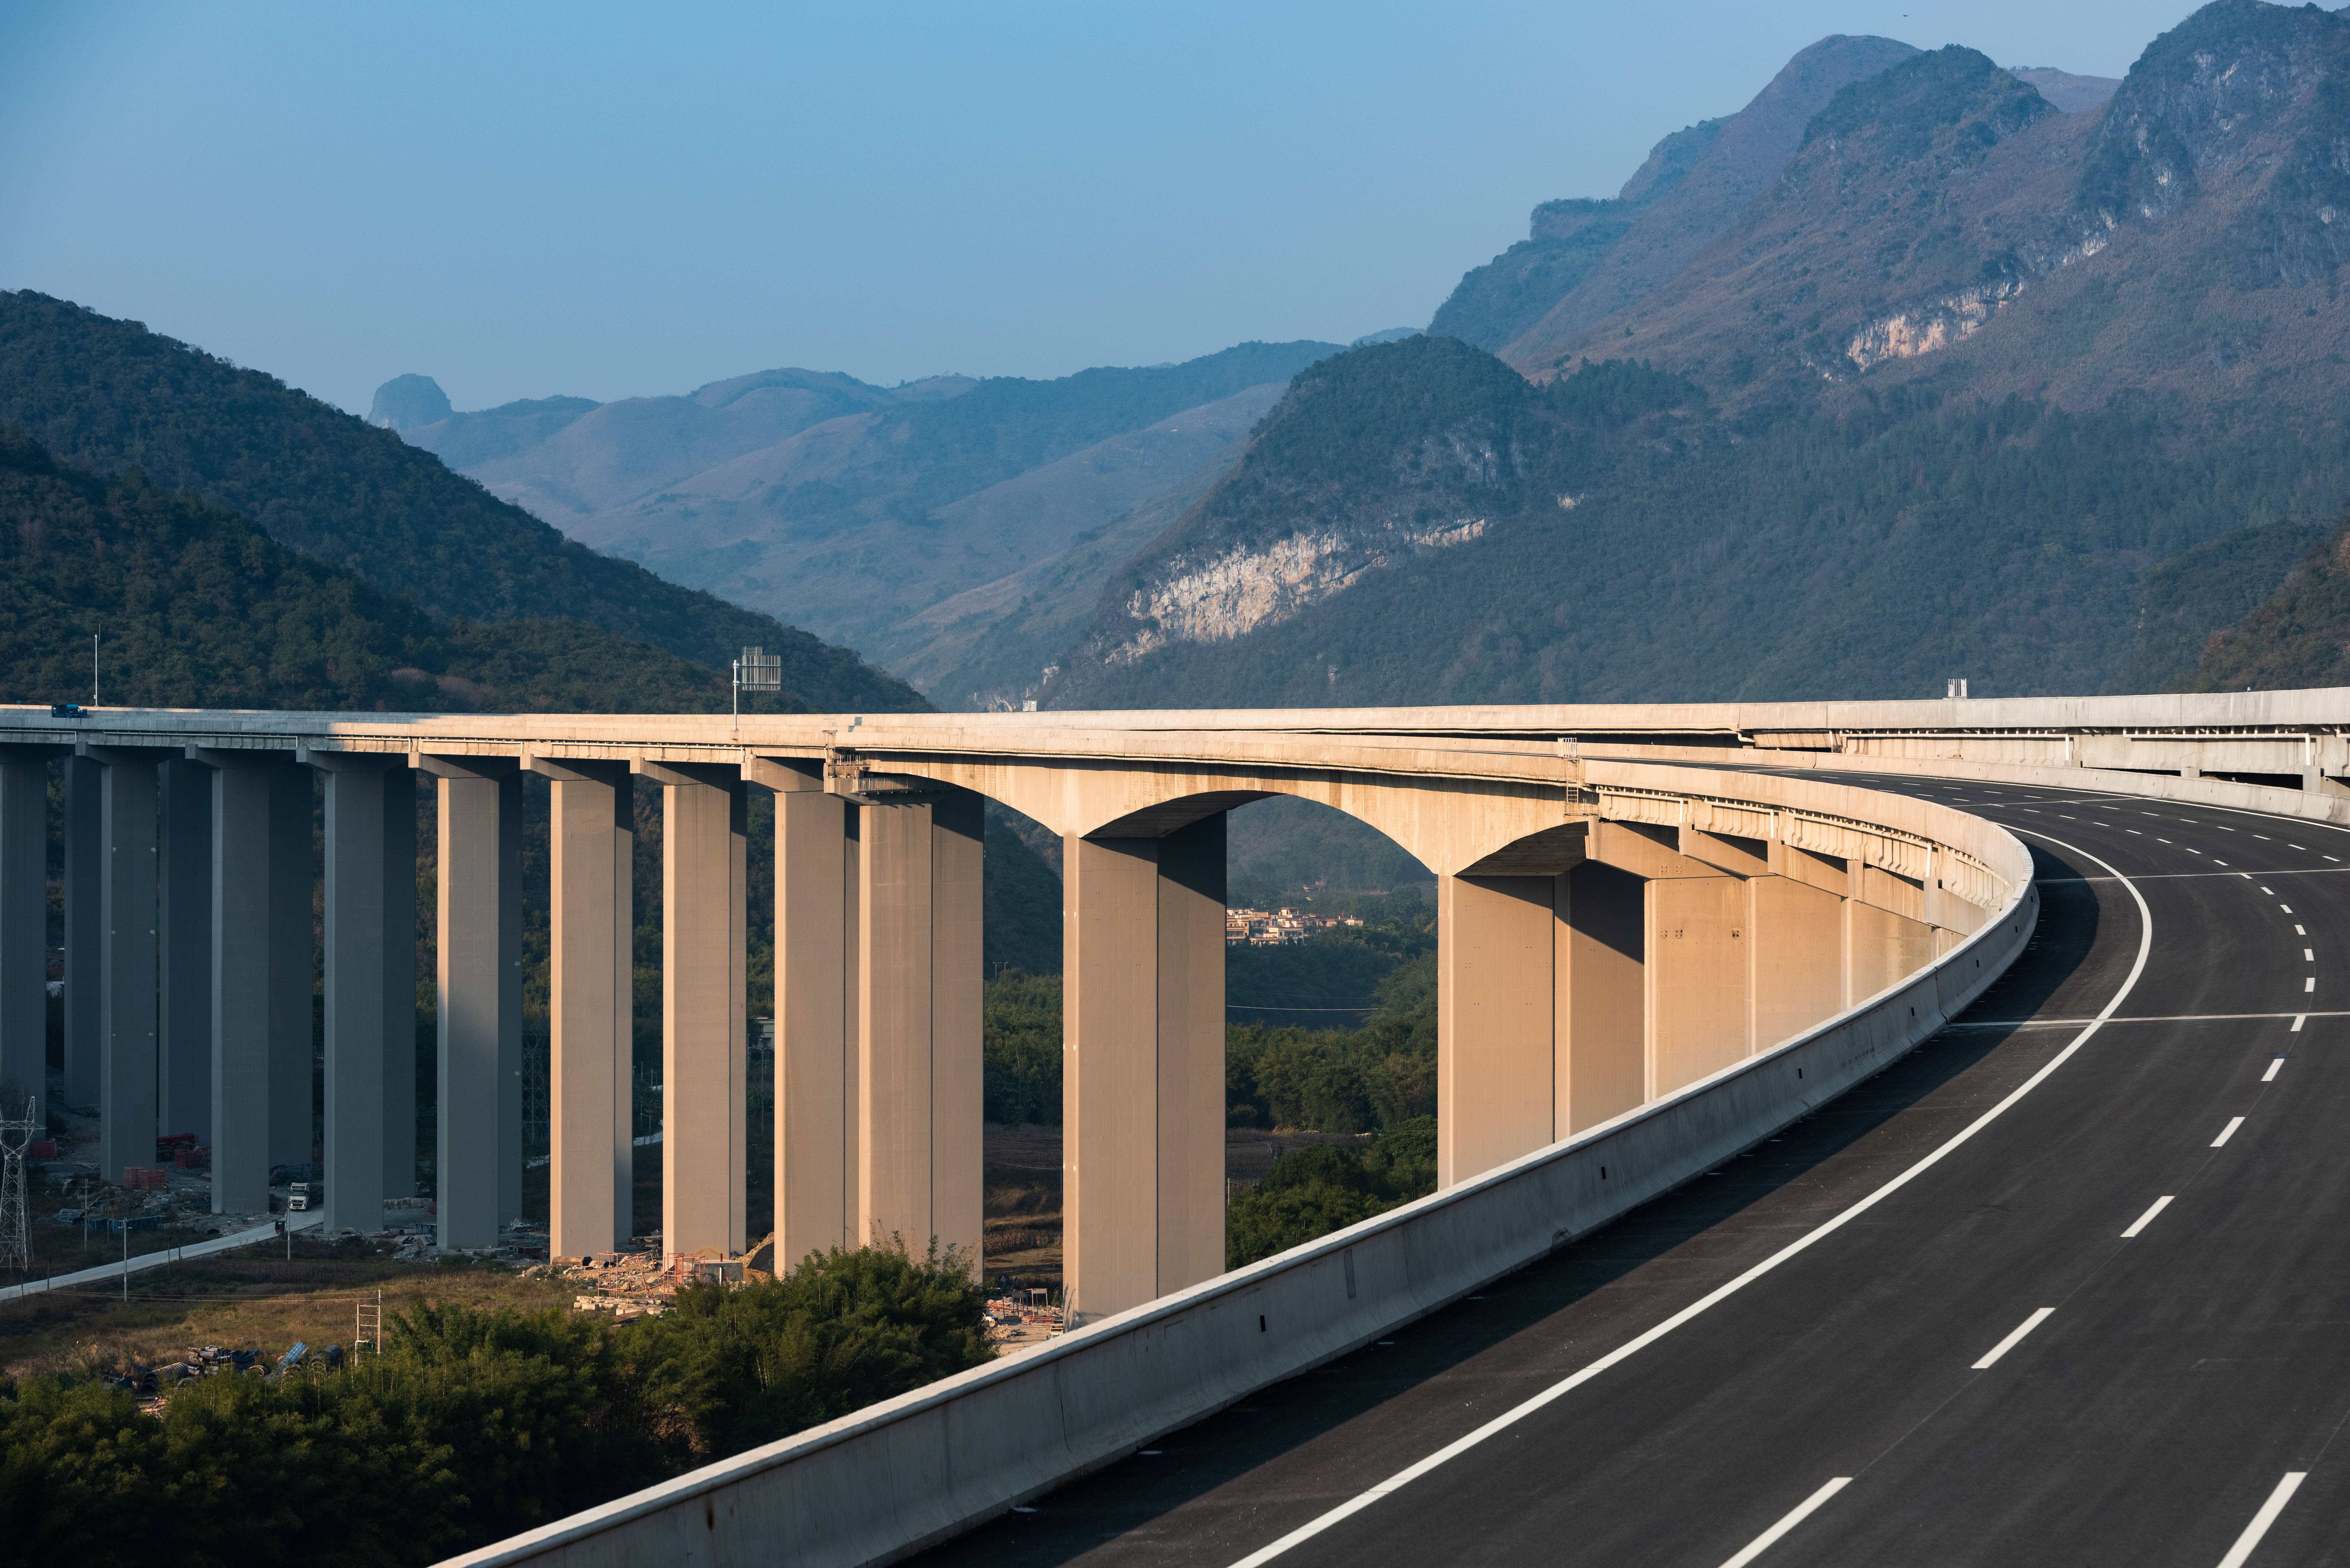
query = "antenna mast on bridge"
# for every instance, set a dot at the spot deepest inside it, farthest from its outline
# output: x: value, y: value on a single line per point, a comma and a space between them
x: 756, y: 671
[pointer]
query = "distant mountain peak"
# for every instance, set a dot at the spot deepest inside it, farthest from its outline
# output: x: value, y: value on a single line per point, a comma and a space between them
x: 1695, y: 185
x: 409, y: 402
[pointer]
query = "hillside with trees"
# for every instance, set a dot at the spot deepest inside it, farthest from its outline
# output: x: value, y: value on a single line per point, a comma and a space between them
x: 196, y: 607
x: 2300, y: 636
x: 109, y: 396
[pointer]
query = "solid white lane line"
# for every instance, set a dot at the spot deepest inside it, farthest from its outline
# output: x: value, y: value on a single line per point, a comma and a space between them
x: 2241, y: 1551
x: 1795, y: 1516
x: 2147, y: 1018
x: 2009, y: 1343
x: 2144, y: 1220
x: 2274, y: 1063
x: 2227, y: 1132
x: 1723, y: 1292
x: 2298, y: 1020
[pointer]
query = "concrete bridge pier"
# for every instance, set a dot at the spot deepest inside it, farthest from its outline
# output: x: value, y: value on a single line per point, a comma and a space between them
x: 23, y: 925
x: 371, y: 987
x: 591, y: 1006
x: 878, y: 1088
x: 703, y: 1161
x: 126, y: 1088
x: 1142, y: 1076
x: 920, y: 1166
x: 85, y: 861
x: 1648, y: 957
x: 480, y: 963
x: 1886, y: 934
x: 183, y: 891
x: 816, y: 877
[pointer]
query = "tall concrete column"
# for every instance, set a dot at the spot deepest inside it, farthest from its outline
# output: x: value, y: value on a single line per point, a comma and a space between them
x: 370, y: 881
x: 1694, y: 941
x: 472, y: 961
x: 184, y: 890
x: 1696, y: 974
x: 126, y: 1084
x: 240, y: 987
x: 85, y: 873
x: 590, y: 992
x: 920, y: 1166
x: 1190, y: 1077
x: 1795, y: 958
x: 510, y: 1143
x: 704, y: 835
x: 1495, y: 1090
x: 1601, y: 995
x: 1142, y: 1065
x: 401, y: 1055
x: 1882, y: 947
x: 24, y: 927
x: 292, y: 881
x: 816, y: 866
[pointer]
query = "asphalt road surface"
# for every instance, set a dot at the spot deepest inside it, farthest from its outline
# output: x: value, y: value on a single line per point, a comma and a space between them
x: 2048, y: 1291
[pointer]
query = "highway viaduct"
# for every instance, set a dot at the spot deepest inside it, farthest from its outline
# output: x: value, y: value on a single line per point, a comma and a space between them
x: 1648, y: 918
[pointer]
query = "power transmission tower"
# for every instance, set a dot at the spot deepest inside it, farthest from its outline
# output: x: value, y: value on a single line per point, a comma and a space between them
x: 16, y: 1209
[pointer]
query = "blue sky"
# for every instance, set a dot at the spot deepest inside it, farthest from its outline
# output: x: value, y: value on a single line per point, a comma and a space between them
x: 522, y: 200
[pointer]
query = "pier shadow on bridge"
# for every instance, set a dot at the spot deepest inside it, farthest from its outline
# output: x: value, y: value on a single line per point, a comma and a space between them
x: 1214, y: 1491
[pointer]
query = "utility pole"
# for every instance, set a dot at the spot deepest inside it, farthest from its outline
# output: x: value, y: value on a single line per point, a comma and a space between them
x: 93, y: 670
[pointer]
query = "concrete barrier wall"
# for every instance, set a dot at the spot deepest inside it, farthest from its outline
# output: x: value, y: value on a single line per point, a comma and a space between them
x: 911, y: 1472
x: 2305, y: 805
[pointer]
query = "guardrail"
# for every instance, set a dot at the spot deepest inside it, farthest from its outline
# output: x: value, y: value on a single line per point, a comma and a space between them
x: 905, y: 1474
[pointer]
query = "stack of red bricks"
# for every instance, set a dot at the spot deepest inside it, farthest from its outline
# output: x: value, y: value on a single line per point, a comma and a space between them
x: 143, y: 1179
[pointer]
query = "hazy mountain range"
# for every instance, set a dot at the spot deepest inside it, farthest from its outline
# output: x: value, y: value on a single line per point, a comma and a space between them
x: 1912, y: 365
x: 899, y: 519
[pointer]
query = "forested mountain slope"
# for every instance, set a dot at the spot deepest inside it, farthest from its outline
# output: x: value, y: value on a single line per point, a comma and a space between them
x: 110, y: 395
x: 198, y: 609
x: 2299, y: 636
x: 1974, y: 389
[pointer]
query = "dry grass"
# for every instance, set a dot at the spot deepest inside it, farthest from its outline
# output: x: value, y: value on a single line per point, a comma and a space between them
x: 252, y: 1299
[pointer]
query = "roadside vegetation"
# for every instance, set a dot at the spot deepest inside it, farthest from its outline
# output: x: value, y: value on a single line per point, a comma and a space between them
x: 477, y: 1422
x: 1322, y: 1187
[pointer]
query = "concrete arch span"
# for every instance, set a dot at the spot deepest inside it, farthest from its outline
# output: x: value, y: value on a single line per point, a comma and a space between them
x: 1610, y: 933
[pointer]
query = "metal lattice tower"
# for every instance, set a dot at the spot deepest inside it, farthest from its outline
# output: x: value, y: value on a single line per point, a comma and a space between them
x: 16, y: 1207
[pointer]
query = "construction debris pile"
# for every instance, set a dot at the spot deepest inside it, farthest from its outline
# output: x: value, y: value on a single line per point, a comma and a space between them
x: 632, y: 1285
x: 1022, y: 1317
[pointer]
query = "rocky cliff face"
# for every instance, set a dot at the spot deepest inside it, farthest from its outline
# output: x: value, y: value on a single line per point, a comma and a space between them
x: 1941, y: 220
x: 1375, y: 462
x: 1739, y: 164
x: 1248, y: 587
